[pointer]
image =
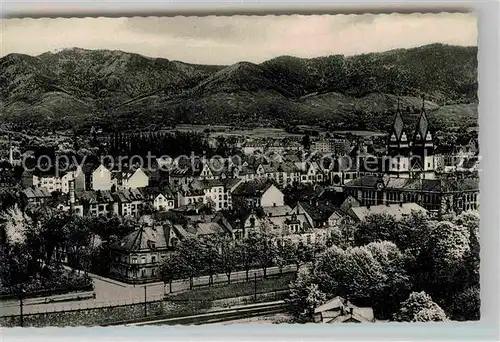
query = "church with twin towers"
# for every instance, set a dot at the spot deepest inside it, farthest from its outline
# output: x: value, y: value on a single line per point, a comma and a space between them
x: 410, y: 150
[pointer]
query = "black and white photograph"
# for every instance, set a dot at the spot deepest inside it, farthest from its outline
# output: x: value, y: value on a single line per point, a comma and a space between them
x: 221, y: 170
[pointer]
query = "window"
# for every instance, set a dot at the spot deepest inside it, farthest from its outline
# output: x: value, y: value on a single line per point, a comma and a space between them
x: 143, y: 259
x: 143, y: 272
x: 153, y: 259
x: 134, y: 260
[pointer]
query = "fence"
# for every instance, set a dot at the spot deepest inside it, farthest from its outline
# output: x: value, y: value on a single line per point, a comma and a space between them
x: 135, y: 311
x: 239, y: 276
x: 12, y: 309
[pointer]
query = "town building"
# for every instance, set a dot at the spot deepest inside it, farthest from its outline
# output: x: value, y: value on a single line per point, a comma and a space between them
x: 131, y: 179
x: 35, y: 195
x: 437, y: 195
x: 99, y: 202
x: 128, y: 202
x: 217, y: 191
x: 136, y: 257
x: 159, y: 198
x: 410, y: 156
x: 101, y: 178
x: 340, y: 310
x: 58, y: 180
x: 258, y: 193
x: 398, y: 211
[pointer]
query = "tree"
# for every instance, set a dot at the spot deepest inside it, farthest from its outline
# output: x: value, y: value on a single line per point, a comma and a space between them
x: 190, y: 252
x: 419, y: 307
x: 265, y: 251
x: 372, y: 275
x: 412, y: 232
x: 467, y: 305
x: 300, y: 253
x: 15, y: 225
x: 211, y: 258
x: 449, y: 245
x: 304, y: 297
x: 54, y: 232
x: 78, y: 241
x: 171, y: 269
x: 229, y: 257
x: 246, y: 254
x: 284, y: 254
x: 375, y: 227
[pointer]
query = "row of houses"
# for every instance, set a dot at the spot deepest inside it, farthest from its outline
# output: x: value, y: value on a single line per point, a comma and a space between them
x: 98, y: 178
x: 136, y: 257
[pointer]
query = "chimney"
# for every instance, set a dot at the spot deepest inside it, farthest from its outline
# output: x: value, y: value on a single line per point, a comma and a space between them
x: 71, y: 184
x: 11, y: 152
x: 350, y: 311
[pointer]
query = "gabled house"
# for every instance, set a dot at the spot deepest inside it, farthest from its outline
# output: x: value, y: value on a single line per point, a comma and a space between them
x: 98, y: 202
x: 58, y: 181
x: 35, y: 195
x: 101, y: 178
x: 128, y: 202
x: 339, y: 310
x: 160, y: 199
x: 217, y: 191
x: 136, y: 257
x: 132, y: 179
x: 258, y: 193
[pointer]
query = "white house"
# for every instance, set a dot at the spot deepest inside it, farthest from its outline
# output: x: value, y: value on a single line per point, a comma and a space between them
x: 101, y: 178
x: 60, y: 182
x: 162, y: 203
x: 258, y: 193
x: 135, y: 179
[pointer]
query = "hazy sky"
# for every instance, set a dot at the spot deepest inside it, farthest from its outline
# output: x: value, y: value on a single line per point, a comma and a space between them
x: 225, y: 40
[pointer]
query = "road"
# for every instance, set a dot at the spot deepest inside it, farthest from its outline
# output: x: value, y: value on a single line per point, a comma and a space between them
x: 110, y: 292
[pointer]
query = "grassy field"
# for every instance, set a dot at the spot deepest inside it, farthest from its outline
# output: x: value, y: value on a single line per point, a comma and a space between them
x: 275, y: 283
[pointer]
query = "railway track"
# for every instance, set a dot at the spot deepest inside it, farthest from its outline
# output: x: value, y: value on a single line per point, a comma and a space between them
x: 254, y: 310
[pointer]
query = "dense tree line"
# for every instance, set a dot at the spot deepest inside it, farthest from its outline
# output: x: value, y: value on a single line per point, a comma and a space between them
x: 392, y: 266
x: 39, y: 240
x: 194, y: 257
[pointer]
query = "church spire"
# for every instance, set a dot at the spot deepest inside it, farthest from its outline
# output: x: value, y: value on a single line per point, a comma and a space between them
x: 398, y: 124
x: 423, y: 124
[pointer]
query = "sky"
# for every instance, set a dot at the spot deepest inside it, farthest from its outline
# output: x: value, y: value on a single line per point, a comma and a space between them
x: 230, y: 39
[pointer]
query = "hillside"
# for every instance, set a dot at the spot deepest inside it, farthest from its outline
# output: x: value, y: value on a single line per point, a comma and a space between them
x: 77, y: 87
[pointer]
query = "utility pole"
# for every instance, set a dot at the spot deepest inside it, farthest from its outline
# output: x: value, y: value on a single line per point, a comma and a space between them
x: 21, y: 319
x: 255, y: 286
x: 145, y: 302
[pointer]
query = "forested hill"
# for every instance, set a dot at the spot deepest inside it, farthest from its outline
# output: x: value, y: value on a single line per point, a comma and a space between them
x: 78, y: 87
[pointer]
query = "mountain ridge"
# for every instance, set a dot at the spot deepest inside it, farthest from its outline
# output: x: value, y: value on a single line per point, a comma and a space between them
x: 80, y: 87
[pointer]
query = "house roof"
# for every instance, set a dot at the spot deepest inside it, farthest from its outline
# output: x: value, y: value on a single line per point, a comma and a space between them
x: 253, y: 188
x: 91, y: 196
x: 337, y: 315
x: 36, y: 192
x: 320, y: 210
x: 281, y: 210
x: 128, y: 195
x: 349, y: 203
x: 395, y: 210
x: 280, y: 221
x: 434, y: 185
x: 144, y: 238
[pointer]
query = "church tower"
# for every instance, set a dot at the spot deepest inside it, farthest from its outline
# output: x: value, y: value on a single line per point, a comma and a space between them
x: 422, y: 149
x: 398, y: 148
